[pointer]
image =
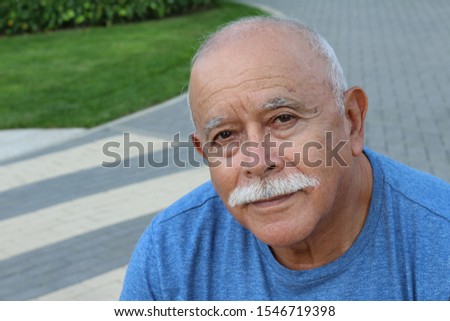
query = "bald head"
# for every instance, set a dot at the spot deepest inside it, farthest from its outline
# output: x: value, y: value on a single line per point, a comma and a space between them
x: 283, y: 30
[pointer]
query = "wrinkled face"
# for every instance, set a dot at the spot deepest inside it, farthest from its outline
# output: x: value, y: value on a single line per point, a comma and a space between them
x: 262, y: 108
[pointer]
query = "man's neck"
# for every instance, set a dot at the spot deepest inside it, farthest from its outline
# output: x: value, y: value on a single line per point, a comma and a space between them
x: 339, y: 229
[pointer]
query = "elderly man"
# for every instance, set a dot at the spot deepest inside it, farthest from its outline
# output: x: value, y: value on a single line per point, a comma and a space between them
x: 297, y: 208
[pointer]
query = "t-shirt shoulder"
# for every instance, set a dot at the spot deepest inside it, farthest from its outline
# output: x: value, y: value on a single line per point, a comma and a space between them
x: 195, y: 199
x: 419, y: 187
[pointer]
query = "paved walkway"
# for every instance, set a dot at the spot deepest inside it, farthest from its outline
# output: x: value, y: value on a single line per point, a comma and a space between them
x: 68, y: 225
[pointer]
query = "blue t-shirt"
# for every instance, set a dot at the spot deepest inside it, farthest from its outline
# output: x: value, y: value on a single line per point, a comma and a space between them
x: 195, y: 250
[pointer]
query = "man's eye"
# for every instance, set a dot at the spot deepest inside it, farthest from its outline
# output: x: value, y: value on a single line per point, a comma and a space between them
x: 284, y: 118
x: 223, y: 135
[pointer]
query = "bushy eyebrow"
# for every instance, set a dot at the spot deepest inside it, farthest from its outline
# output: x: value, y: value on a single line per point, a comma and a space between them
x: 279, y: 102
x: 211, y: 124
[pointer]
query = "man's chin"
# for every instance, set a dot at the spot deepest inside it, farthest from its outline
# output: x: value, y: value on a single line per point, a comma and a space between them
x: 281, y: 234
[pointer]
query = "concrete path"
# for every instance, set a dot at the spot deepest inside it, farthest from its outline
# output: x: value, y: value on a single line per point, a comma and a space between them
x: 68, y: 224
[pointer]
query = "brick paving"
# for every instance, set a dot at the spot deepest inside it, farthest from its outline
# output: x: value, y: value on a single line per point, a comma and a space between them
x: 69, y: 225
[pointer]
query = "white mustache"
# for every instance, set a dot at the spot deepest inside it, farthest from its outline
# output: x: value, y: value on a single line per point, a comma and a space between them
x: 270, y: 187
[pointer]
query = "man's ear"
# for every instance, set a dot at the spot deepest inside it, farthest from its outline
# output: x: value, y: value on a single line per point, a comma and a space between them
x: 197, y: 144
x: 356, y: 104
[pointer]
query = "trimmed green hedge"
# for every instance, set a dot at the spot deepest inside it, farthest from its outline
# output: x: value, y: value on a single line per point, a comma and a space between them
x: 22, y: 16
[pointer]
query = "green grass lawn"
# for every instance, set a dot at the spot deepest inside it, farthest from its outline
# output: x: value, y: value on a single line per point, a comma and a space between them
x: 82, y: 78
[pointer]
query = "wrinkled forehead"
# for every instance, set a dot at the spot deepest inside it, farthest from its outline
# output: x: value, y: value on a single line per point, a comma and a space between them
x: 253, y: 57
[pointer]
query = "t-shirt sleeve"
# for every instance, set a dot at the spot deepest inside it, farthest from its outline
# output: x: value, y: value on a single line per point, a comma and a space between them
x: 142, y: 280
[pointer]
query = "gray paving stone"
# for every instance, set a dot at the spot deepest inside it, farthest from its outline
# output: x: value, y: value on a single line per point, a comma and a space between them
x: 59, y: 265
x: 69, y: 187
x: 89, y: 136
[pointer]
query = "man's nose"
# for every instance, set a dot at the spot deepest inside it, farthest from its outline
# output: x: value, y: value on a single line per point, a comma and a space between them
x: 261, y: 157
